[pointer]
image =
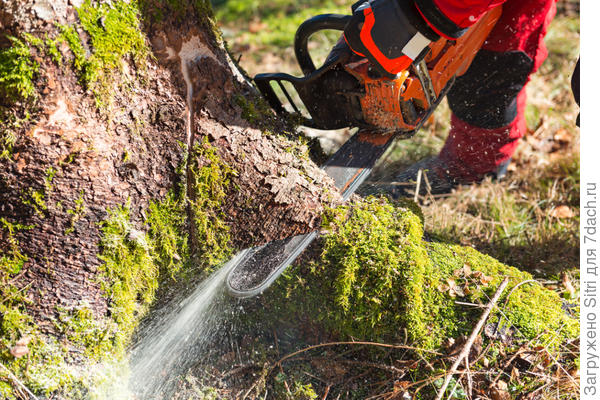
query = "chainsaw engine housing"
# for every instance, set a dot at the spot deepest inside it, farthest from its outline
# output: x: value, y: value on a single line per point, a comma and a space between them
x: 345, y: 91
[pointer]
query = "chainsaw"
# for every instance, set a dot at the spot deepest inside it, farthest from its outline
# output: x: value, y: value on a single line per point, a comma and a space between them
x: 346, y: 92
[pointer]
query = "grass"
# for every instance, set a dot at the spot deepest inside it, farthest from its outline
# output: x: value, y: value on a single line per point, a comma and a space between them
x: 262, y: 32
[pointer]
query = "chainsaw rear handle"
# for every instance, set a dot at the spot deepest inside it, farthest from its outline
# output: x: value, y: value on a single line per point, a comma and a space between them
x: 307, y: 28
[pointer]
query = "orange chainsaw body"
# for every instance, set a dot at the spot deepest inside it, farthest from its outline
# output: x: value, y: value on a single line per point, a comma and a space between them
x: 345, y: 92
x: 385, y: 99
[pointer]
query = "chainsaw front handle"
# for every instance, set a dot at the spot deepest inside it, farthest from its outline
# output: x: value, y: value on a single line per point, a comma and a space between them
x: 310, y: 26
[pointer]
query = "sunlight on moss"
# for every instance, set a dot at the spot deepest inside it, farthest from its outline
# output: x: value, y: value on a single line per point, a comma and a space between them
x: 210, y: 182
x: 115, y: 37
x: 377, y: 276
x: 17, y: 71
x: 131, y: 276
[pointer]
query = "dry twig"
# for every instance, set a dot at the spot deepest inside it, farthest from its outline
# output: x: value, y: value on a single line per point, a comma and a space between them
x: 389, y: 346
x: 419, y: 174
x: 18, y: 382
x: 465, y: 351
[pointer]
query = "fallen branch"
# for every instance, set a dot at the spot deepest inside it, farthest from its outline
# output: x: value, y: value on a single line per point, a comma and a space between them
x: 465, y: 351
x: 18, y: 382
x: 390, y: 346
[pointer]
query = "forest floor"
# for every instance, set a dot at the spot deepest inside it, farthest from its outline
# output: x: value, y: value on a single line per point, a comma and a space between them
x: 529, y: 220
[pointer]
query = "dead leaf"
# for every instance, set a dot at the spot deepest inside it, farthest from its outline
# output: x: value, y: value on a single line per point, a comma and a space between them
x: 485, y: 280
x: 451, y: 287
x: 515, y: 374
x: 498, y: 394
x: 449, y: 342
x: 20, y: 348
x: 562, y: 212
x: 467, y: 270
x: 458, y: 291
x: 476, y: 348
x: 401, y: 385
x: 566, y: 281
x: 464, y: 271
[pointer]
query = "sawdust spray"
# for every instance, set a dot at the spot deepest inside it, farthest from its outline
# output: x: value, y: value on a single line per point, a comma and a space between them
x: 179, y: 336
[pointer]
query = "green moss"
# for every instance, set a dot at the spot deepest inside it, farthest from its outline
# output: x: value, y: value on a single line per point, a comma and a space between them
x: 17, y: 72
x: 6, y: 391
x: 373, y: 275
x: 129, y: 278
x: 179, y: 10
x: 129, y: 271
x: 50, y: 173
x: 256, y: 110
x: 377, y: 276
x: 7, y: 140
x: 53, y: 51
x: 48, y: 46
x: 135, y: 260
x: 167, y: 229
x: 210, y: 180
x: 295, y: 391
x: 531, y: 308
x: 95, y: 335
x: 45, y: 369
x: 36, y: 199
x: 34, y: 41
x: 71, y: 37
x: 115, y: 37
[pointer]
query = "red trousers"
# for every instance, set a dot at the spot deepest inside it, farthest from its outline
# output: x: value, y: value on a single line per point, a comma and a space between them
x: 488, y: 102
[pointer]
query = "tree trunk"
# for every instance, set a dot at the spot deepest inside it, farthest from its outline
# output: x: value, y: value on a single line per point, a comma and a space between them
x: 130, y: 144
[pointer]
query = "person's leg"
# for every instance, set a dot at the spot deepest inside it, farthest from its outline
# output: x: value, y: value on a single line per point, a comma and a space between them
x: 488, y: 101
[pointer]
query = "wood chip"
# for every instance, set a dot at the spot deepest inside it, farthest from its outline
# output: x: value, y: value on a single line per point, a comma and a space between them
x: 563, y: 136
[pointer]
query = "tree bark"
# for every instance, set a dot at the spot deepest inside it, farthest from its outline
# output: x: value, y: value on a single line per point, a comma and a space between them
x: 72, y: 160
